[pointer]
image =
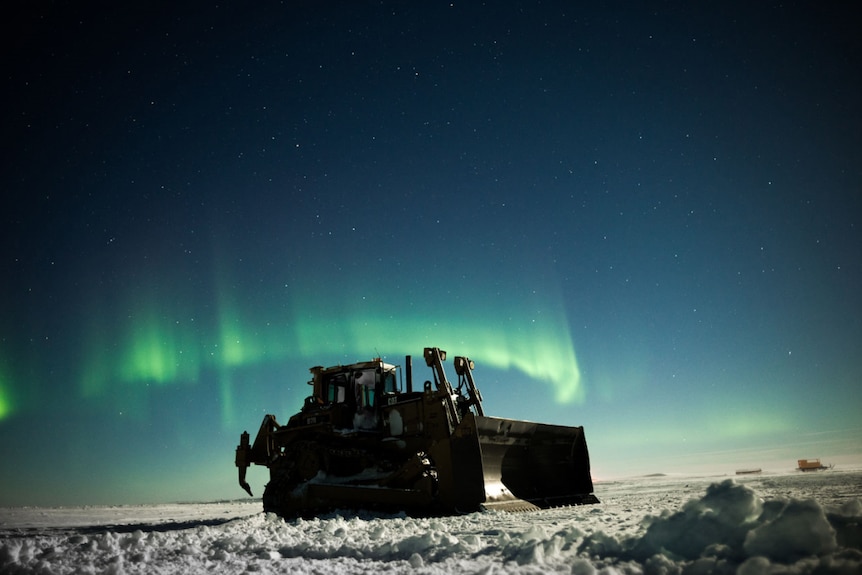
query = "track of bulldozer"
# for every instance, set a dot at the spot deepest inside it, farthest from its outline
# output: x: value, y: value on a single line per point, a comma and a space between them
x: 339, y: 461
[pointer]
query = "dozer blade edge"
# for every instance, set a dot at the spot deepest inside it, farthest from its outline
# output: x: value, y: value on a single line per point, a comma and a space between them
x: 530, y: 465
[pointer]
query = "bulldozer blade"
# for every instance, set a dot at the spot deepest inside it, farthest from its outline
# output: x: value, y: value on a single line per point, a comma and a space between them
x: 530, y: 465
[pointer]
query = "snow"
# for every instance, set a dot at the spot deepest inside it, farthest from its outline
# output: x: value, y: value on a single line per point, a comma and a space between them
x: 755, y: 524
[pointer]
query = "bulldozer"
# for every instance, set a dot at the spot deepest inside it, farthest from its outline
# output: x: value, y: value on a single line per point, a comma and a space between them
x: 366, y: 439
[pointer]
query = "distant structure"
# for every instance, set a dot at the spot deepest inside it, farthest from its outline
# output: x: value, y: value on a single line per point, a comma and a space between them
x: 748, y: 471
x: 811, y: 465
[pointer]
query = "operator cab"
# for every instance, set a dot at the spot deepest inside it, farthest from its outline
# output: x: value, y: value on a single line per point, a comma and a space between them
x: 354, y: 393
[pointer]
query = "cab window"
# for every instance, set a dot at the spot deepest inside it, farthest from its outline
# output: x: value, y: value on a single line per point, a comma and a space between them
x: 389, y: 383
x: 336, y: 389
x: 366, y: 383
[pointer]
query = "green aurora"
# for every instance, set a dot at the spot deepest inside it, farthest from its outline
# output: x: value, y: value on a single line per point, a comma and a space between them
x: 152, y: 343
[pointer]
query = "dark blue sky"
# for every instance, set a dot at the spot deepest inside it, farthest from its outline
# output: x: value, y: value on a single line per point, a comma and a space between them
x: 644, y: 220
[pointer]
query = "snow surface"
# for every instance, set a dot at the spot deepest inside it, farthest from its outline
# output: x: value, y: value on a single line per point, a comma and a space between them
x: 759, y: 524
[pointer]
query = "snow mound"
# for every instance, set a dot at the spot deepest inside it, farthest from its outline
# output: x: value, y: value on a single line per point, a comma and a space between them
x: 726, y: 528
x: 731, y: 527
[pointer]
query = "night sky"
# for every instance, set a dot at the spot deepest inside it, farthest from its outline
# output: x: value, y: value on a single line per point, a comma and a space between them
x: 643, y: 220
